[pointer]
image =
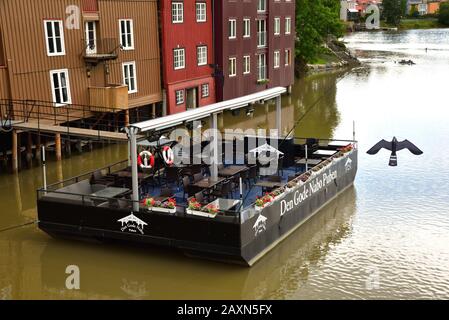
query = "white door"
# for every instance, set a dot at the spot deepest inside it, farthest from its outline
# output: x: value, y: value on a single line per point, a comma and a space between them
x: 91, y: 37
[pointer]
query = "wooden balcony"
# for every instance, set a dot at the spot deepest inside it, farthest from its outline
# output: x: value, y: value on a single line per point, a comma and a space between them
x: 113, y: 96
x: 100, y: 50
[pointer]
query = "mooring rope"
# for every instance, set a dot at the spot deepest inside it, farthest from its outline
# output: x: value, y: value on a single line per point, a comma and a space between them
x: 18, y: 226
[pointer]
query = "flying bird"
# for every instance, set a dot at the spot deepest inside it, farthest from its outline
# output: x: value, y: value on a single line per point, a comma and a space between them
x: 394, y: 146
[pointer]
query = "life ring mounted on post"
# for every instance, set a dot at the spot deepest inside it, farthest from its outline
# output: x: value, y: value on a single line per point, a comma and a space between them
x: 146, y: 160
x: 169, y: 155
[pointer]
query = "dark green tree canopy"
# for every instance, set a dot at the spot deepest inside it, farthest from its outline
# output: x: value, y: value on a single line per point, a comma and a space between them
x: 394, y: 10
x: 443, y: 14
x: 315, y: 20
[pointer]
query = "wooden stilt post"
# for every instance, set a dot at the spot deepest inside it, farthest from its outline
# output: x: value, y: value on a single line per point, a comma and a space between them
x: 29, y: 150
x: 126, y: 118
x: 14, y: 151
x: 58, y: 147
x: 153, y: 110
x: 38, y: 148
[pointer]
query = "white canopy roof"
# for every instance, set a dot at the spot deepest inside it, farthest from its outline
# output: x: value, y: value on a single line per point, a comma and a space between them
x: 204, y: 112
x: 266, y: 148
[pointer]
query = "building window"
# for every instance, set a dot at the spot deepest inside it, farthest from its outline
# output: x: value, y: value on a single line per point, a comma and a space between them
x: 129, y: 76
x: 232, y: 67
x: 232, y: 28
x: 262, y: 6
x: 246, y: 64
x: 288, y: 57
x: 91, y: 37
x: 177, y: 12
x: 60, y: 87
x: 179, y: 96
x: 288, y: 25
x: 202, y: 55
x: 277, y: 26
x: 179, y: 59
x: 205, y: 90
x: 126, y: 34
x: 246, y: 28
x: 261, y: 33
x: 261, y: 67
x: 277, y: 59
x: 201, y: 12
x: 54, y: 33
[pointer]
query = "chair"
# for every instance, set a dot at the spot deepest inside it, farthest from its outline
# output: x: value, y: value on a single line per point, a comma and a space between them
x: 166, y: 193
x: 252, y: 175
x: 171, y: 175
x: 223, y: 190
x: 98, y: 178
x: 198, y: 177
x: 274, y: 179
x: 186, y: 185
x: 199, y: 197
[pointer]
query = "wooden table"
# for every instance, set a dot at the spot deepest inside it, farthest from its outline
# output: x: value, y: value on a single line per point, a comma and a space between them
x: 310, y: 162
x: 231, y: 171
x: 324, y: 153
x: 110, y: 193
x: 207, y: 183
x: 269, y: 184
x: 225, y: 204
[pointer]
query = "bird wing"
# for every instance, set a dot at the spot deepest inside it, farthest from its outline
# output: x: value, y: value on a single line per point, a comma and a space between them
x: 383, y: 144
x: 410, y: 146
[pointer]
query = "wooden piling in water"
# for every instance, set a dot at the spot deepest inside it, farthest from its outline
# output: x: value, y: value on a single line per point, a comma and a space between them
x: 58, y: 146
x: 126, y: 118
x: 14, y: 152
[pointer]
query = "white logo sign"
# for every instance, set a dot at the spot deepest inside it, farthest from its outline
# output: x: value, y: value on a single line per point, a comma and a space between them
x: 373, y: 20
x: 73, y: 280
x: 260, y: 225
x: 132, y: 224
x: 348, y: 165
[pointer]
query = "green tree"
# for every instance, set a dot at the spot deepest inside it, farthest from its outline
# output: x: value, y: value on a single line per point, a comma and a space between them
x: 394, y: 10
x: 315, y: 20
x: 443, y: 14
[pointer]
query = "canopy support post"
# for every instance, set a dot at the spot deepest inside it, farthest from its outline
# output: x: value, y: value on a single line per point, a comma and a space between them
x: 214, y: 127
x: 132, y: 138
x: 279, y: 115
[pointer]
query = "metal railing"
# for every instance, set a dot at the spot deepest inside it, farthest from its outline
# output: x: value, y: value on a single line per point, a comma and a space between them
x: 101, y: 47
x: 70, y: 115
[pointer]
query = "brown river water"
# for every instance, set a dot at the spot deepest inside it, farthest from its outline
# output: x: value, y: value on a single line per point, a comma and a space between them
x: 385, y: 238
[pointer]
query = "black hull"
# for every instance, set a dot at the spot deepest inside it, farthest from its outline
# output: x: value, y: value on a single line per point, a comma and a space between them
x: 214, y: 239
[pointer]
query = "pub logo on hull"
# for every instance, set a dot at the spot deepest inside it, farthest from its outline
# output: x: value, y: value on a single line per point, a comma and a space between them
x: 348, y: 165
x: 260, y: 225
x: 132, y: 224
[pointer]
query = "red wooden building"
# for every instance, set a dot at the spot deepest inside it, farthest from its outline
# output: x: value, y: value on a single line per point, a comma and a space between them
x: 187, y: 51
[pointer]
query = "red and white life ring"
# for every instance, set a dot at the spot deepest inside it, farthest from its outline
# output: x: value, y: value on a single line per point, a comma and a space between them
x: 146, y: 160
x: 169, y: 155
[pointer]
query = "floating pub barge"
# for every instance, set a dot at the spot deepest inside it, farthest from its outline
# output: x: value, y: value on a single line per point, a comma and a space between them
x: 228, y: 211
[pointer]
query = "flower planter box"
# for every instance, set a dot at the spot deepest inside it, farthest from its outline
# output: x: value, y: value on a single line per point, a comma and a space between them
x: 201, y: 214
x: 163, y: 210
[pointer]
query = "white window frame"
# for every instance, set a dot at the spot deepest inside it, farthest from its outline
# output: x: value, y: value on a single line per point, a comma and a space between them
x: 261, y: 35
x: 178, y: 7
x: 277, y: 26
x: 246, y: 64
x: 53, y: 88
x: 288, y: 57
x: 203, y: 90
x: 246, y: 28
x: 232, y: 67
x: 232, y: 26
x: 128, y: 64
x: 90, y: 50
x: 261, y: 6
x: 47, y: 39
x: 181, y: 58
x: 288, y: 25
x: 126, y: 46
x: 277, y: 59
x: 261, y: 69
x: 201, y: 53
x: 201, y: 11
x: 181, y: 96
